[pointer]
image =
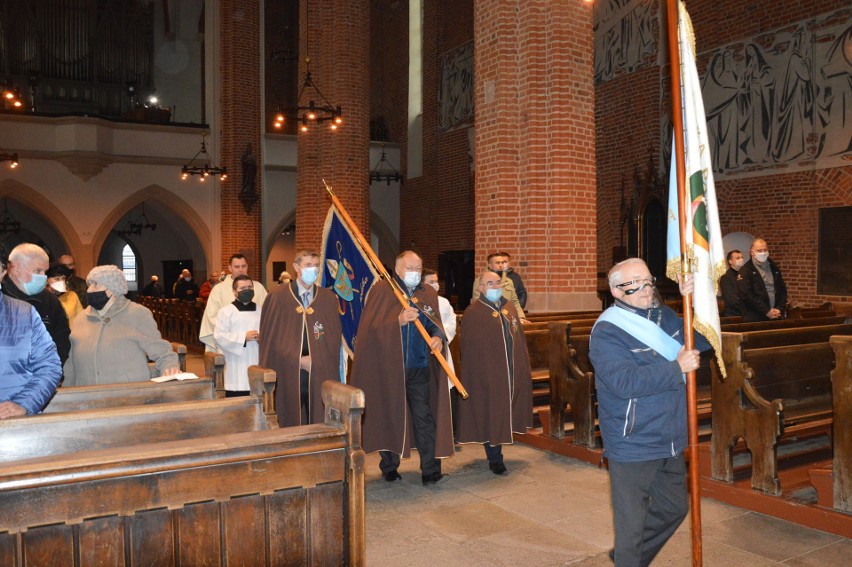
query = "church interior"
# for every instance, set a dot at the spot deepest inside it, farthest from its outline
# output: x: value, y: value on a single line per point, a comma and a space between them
x: 169, y: 135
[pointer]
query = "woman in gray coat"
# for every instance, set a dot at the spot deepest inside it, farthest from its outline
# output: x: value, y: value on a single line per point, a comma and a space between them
x: 113, y: 339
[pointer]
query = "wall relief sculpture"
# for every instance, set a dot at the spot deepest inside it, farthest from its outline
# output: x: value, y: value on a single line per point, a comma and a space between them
x: 782, y: 100
x: 456, y: 91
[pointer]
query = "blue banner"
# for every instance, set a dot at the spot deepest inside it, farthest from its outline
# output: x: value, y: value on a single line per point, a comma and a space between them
x: 348, y: 272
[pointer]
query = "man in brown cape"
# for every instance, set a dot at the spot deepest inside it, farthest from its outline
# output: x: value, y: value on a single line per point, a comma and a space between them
x: 496, y: 370
x: 301, y: 338
x: 406, y: 391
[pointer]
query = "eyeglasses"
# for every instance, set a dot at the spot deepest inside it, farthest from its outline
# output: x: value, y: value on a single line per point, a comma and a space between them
x: 643, y: 283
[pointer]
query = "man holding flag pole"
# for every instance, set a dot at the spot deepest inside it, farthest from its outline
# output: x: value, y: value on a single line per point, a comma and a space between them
x: 694, y: 235
x: 645, y: 357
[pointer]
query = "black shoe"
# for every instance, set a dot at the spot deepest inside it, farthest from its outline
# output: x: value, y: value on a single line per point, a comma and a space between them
x: 433, y: 478
x: 612, y: 555
x: 391, y: 476
x: 497, y: 468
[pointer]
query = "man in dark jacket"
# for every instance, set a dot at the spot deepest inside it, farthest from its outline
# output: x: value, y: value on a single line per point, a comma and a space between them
x: 636, y: 347
x: 762, y: 292
x: 26, y: 281
x: 186, y: 289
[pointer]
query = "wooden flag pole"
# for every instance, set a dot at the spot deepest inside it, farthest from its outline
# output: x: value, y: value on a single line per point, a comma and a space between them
x: 400, y: 295
x: 686, y: 268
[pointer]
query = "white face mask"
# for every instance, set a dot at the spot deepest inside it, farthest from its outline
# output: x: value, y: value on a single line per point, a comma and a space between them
x: 739, y: 263
x: 411, y: 279
x: 761, y: 256
x: 59, y: 286
x: 436, y: 285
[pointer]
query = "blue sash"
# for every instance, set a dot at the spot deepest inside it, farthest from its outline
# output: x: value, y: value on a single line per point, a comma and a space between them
x: 642, y: 330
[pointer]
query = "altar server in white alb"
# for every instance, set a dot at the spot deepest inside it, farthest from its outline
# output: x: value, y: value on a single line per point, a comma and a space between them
x: 236, y: 334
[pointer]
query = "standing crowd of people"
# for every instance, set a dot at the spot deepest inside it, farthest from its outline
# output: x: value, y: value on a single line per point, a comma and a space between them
x: 636, y: 348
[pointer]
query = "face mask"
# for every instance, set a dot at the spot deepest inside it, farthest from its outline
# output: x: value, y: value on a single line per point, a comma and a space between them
x: 761, y: 256
x: 436, y: 285
x: 309, y: 274
x: 493, y: 295
x: 739, y: 264
x: 59, y: 287
x: 186, y: 279
x: 35, y: 285
x: 97, y: 299
x: 411, y: 279
x: 245, y: 296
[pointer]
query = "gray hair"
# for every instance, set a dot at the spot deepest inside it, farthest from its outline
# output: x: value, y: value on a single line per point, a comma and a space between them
x: 615, y: 276
x: 405, y: 253
x: 24, y: 253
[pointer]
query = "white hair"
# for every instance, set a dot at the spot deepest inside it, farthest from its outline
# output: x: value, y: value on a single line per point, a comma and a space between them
x: 24, y: 253
x: 615, y: 276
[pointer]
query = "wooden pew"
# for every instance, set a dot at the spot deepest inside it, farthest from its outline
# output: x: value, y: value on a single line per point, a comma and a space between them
x: 111, y: 427
x: 292, y: 496
x: 538, y: 345
x: 783, y: 385
x: 834, y: 482
x: 77, y: 398
x: 571, y: 384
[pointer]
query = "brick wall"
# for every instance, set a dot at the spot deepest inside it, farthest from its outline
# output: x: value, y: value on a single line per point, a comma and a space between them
x: 339, y: 38
x: 240, y: 125
x: 783, y: 208
x: 535, y: 146
x: 436, y: 209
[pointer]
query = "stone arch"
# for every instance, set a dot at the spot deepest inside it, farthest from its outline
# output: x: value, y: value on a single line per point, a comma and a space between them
x: 17, y: 191
x: 164, y: 198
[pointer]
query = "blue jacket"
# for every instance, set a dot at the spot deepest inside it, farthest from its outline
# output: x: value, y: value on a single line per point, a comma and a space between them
x: 415, y: 350
x: 29, y: 365
x: 641, y: 395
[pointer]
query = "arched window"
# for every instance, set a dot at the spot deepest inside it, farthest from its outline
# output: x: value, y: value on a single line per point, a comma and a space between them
x: 128, y: 263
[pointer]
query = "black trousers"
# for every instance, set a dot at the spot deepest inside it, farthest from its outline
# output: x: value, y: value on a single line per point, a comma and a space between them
x: 494, y: 454
x: 304, y: 382
x: 649, y: 501
x: 417, y: 395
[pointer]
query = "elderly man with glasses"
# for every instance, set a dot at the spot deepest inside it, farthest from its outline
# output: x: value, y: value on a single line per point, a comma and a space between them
x: 636, y: 347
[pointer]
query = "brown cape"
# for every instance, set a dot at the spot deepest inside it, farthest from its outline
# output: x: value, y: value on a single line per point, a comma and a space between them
x: 498, y: 404
x: 281, y: 334
x: 378, y: 370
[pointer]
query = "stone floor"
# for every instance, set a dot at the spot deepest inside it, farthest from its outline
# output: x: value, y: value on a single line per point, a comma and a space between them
x: 552, y: 510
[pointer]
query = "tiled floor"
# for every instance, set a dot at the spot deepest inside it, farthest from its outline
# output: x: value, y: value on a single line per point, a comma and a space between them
x: 551, y: 510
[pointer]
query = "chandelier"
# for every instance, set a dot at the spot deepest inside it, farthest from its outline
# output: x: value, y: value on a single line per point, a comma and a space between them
x: 12, y: 158
x: 135, y: 227
x: 385, y: 171
x: 8, y: 223
x: 317, y: 109
x: 203, y: 168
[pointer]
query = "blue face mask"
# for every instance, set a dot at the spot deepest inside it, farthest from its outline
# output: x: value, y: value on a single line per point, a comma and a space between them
x: 493, y: 295
x: 36, y: 284
x: 411, y: 279
x: 309, y: 275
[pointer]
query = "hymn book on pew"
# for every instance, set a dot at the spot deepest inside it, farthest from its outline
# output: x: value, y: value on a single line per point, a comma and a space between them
x: 178, y: 376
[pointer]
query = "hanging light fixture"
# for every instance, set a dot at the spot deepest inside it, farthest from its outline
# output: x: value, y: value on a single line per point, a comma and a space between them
x: 385, y: 171
x: 312, y: 107
x: 11, y: 158
x: 135, y: 227
x: 8, y: 223
x: 205, y: 168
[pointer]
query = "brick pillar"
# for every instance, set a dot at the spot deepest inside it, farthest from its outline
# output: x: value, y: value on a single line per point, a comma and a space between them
x: 535, y: 146
x: 240, y: 68
x: 339, y: 36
